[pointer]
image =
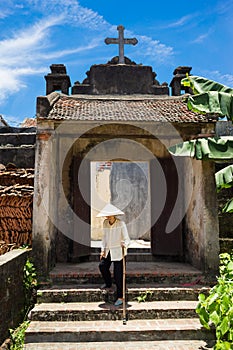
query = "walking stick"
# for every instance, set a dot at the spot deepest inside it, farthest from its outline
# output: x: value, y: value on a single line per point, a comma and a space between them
x: 124, y: 304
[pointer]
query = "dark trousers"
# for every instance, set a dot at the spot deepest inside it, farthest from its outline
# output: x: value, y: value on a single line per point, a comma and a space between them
x: 104, y: 267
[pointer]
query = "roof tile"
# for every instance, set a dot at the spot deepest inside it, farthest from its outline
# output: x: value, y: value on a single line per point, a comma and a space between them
x: 146, y: 109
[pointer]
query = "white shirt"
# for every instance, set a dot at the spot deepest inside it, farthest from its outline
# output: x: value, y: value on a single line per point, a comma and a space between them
x: 113, y: 235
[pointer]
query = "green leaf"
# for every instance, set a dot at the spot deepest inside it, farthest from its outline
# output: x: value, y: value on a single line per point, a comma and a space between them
x: 224, y: 177
x: 204, y: 318
x: 220, y: 345
x: 210, y: 96
x: 224, y: 326
x: 230, y: 266
x: 213, y: 298
x: 201, y: 297
x: 228, y: 208
x: 214, y: 317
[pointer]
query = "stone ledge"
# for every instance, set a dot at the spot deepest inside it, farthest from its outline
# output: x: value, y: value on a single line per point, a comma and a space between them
x: 7, y: 257
x: 136, y: 345
x: 101, y: 331
x: 104, y: 311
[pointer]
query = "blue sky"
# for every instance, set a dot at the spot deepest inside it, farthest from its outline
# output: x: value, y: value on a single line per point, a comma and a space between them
x: 36, y: 33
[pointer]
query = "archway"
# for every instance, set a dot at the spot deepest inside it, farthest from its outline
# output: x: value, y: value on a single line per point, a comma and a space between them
x: 123, y: 144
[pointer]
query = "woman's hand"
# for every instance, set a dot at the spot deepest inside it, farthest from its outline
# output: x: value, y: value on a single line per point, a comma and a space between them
x: 102, y: 255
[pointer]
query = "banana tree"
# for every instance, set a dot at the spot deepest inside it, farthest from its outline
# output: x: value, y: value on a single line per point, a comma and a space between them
x: 210, y: 97
x: 224, y: 179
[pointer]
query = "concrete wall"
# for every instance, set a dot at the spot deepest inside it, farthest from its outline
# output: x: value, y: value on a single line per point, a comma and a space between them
x: 100, y: 195
x: 17, y: 145
x: 45, y: 203
x: 11, y: 291
x: 201, y: 223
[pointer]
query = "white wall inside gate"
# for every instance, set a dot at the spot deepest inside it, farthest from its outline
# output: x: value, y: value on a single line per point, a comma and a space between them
x: 127, y: 186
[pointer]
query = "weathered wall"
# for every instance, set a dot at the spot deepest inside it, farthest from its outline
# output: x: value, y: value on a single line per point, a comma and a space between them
x: 11, y: 290
x: 201, y: 224
x: 22, y: 156
x: 120, y: 79
x: 17, y: 145
x: 131, y: 193
x: 45, y: 203
x: 100, y: 195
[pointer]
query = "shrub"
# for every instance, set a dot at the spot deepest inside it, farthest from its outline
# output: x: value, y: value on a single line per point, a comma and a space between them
x: 216, y: 309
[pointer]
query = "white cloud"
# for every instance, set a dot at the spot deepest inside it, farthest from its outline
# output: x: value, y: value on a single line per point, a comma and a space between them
x: 222, y: 78
x: 27, y: 50
x: 201, y: 38
x: 6, y: 8
x: 62, y: 53
x: 74, y: 14
x: 154, y: 48
x: 4, y: 14
x: 224, y: 7
x: 11, y: 80
x: 19, y: 49
x: 12, y: 120
x: 17, y: 56
x: 181, y: 21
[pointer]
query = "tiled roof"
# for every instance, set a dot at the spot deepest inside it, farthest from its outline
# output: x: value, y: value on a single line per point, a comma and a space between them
x: 136, y: 108
x: 28, y: 122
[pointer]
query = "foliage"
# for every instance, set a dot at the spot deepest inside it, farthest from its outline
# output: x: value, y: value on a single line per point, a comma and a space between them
x: 29, y: 284
x: 18, y: 335
x: 29, y: 279
x: 209, y: 96
x: 216, y: 310
x: 224, y: 179
x: 212, y: 98
x: 143, y: 296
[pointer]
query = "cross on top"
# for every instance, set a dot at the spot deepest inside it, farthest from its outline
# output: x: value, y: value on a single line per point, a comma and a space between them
x: 121, y: 41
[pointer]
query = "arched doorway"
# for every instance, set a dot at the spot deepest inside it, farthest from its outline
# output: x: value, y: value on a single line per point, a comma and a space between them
x: 162, y: 189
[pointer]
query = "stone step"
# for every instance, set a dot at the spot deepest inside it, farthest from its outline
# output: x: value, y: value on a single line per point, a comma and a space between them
x: 93, y: 293
x: 126, y: 345
x: 132, y: 249
x: 166, y: 273
x: 226, y: 245
x: 115, y: 331
x: 105, y: 311
x: 141, y: 256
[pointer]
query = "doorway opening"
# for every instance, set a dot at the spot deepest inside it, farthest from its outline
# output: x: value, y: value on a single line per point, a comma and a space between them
x: 127, y: 186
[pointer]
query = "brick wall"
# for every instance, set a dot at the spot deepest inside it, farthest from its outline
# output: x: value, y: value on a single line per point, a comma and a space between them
x: 16, y: 196
x: 11, y: 290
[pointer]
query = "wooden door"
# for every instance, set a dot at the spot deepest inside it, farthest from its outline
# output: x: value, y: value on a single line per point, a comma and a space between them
x: 81, y: 245
x: 162, y: 243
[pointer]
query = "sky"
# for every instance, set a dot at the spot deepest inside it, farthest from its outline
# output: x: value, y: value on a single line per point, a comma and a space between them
x: 37, y: 33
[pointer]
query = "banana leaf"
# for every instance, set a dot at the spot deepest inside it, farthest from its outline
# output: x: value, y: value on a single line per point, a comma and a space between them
x: 209, y: 97
x: 215, y: 148
x: 228, y: 208
x: 224, y: 177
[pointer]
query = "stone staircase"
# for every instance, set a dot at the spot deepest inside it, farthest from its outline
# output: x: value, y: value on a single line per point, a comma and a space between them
x: 74, y: 313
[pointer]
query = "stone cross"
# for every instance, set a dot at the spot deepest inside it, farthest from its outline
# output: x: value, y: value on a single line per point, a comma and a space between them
x: 121, y: 41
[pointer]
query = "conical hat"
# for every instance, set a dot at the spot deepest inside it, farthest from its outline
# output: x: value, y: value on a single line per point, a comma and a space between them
x: 109, y: 210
